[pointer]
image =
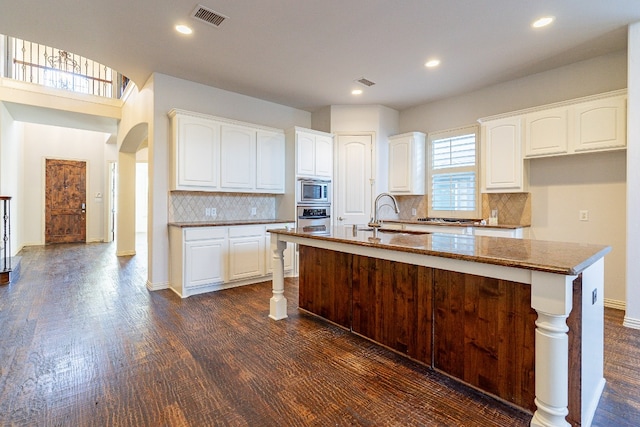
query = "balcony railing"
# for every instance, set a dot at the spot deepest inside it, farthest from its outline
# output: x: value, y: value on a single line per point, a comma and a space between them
x: 52, y: 67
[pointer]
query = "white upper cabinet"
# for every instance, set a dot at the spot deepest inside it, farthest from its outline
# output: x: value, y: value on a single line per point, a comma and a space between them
x: 238, y: 157
x: 502, y: 161
x: 546, y: 132
x: 270, y: 156
x: 324, y: 156
x: 601, y: 124
x: 314, y: 154
x: 407, y: 171
x: 196, y: 154
x: 216, y: 154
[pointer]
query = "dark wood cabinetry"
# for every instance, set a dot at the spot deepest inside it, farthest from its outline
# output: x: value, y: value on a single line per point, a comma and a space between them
x: 392, y: 305
x: 484, y: 334
x: 480, y: 330
x: 327, y: 284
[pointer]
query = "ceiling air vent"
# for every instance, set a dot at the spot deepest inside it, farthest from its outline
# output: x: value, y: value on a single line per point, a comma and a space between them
x: 365, y: 82
x: 208, y: 16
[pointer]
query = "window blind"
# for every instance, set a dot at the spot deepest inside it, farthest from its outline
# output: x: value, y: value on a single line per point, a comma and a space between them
x: 453, y: 179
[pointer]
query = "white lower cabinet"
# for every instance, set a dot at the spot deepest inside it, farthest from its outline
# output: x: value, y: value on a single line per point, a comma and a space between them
x: 246, y: 252
x: 204, y: 262
x: 205, y: 259
x: 518, y: 233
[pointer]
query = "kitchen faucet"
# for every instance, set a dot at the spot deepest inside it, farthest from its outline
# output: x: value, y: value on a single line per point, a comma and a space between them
x: 375, y: 222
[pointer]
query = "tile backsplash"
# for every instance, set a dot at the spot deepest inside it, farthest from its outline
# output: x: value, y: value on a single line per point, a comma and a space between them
x: 192, y: 206
x: 407, y: 203
x: 513, y: 208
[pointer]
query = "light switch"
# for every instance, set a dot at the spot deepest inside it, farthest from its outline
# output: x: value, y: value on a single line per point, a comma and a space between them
x: 584, y: 215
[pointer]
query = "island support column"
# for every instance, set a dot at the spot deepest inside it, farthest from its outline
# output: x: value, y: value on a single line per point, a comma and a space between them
x: 552, y: 298
x: 278, y: 303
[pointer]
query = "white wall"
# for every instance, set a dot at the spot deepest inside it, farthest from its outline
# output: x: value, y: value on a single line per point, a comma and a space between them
x: 602, y: 74
x: 560, y: 186
x: 632, y: 317
x: 10, y: 178
x: 168, y: 93
x: 41, y: 142
x: 381, y: 120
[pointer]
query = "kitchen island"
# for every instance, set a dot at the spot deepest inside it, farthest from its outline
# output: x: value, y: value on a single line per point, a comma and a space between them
x: 505, y: 316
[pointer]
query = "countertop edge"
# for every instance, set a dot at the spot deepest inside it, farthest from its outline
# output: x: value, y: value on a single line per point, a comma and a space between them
x: 522, y: 264
x: 453, y: 224
x: 223, y: 223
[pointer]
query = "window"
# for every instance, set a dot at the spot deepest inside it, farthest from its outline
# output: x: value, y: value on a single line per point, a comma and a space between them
x: 453, y: 173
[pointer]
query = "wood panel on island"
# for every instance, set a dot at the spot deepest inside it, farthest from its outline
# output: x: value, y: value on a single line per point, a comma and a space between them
x: 510, y: 327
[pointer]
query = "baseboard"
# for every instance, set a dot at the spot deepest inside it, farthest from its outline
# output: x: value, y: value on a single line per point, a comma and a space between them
x: 125, y: 253
x: 589, y: 408
x: 614, y: 303
x: 157, y: 286
x: 631, y: 323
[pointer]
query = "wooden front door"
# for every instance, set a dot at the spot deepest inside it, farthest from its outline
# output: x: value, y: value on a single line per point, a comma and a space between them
x: 65, y: 201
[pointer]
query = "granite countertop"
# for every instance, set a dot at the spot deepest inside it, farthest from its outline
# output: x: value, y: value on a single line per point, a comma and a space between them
x: 540, y: 255
x: 227, y: 222
x: 454, y: 224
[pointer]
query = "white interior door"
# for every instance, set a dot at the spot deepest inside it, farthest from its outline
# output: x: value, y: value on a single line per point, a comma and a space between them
x: 353, y: 180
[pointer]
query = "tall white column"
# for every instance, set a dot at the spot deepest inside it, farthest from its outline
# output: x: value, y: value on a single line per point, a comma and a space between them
x: 632, y: 317
x: 278, y: 303
x: 126, y: 215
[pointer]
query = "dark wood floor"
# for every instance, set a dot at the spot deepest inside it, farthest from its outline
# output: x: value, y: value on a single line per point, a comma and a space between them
x: 84, y: 343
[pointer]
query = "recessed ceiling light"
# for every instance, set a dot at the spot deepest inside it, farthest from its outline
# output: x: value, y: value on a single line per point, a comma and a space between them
x: 543, y: 22
x: 356, y: 92
x: 183, y: 29
x: 432, y: 63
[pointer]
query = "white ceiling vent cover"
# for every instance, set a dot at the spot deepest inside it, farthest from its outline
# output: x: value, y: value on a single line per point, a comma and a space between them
x: 365, y: 82
x: 208, y: 16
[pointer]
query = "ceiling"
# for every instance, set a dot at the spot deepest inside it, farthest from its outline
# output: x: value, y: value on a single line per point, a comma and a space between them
x: 308, y: 53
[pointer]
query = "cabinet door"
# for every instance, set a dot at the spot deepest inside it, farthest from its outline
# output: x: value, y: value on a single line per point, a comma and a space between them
x: 204, y: 262
x: 246, y: 252
x: 197, y: 153
x: 270, y: 158
x: 238, y: 157
x: 324, y: 156
x: 400, y: 165
x: 503, y: 162
x: 601, y: 124
x: 546, y: 132
x: 305, y: 154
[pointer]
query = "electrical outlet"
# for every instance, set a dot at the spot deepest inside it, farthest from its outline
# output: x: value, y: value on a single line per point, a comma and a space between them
x: 207, y: 211
x: 414, y: 212
x: 584, y: 215
x: 214, y: 212
x: 254, y: 211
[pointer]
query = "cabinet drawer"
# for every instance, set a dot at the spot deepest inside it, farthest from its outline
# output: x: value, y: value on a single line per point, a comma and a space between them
x: 246, y: 230
x: 204, y: 233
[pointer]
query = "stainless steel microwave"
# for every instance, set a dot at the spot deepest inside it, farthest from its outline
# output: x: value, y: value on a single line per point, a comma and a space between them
x: 314, y: 191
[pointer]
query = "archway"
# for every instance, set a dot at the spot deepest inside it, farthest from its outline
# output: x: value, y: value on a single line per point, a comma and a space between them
x: 126, y: 218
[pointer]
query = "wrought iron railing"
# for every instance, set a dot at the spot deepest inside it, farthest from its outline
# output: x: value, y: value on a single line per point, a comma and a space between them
x: 52, y: 67
x: 5, y: 234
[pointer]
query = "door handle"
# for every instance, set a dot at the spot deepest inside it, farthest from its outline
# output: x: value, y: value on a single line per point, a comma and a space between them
x: 340, y: 218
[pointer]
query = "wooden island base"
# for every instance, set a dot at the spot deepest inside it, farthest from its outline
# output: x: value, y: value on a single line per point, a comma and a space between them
x: 505, y: 316
x: 476, y: 329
